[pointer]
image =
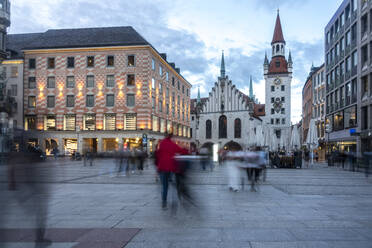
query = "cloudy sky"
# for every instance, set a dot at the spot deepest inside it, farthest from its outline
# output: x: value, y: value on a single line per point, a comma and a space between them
x: 194, y: 32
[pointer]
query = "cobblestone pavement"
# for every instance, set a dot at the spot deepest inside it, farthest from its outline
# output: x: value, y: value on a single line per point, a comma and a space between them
x: 94, y: 207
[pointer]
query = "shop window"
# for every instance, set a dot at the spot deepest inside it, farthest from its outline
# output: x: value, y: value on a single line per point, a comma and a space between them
x: 155, y: 123
x: 162, y: 125
x: 364, y: 115
x: 130, y: 122
x: 350, y: 117
x: 90, y: 122
x: 109, y: 122
x: 338, y: 121
x: 30, y: 122
x: 69, y: 122
x: 50, y: 123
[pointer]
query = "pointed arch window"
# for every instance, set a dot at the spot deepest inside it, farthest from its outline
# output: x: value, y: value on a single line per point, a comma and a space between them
x: 208, y: 129
x: 222, y: 127
x: 277, y: 48
x: 237, y: 128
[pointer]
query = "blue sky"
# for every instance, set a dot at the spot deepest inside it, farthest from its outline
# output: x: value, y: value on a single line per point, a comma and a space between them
x: 193, y: 33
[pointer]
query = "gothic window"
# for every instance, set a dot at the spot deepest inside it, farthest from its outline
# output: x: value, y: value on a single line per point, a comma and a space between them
x: 237, y: 128
x: 208, y: 129
x: 277, y: 48
x: 222, y: 127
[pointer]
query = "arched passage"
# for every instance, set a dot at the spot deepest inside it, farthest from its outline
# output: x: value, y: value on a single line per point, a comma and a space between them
x: 232, y: 146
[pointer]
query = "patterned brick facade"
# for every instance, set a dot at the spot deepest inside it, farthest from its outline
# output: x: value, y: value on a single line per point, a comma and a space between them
x: 142, y: 89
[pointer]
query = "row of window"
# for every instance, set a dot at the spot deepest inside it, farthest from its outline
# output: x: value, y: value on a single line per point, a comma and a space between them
x: 282, y: 111
x: 343, y: 96
x: 343, y: 18
x: 222, y: 128
x: 89, y: 122
x: 162, y: 125
x: 90, y: 81
x: 90, y: 62
x: 343, y: 119
x: 89, y: 99
x: 273, y: 99
x: 276, y: 121
x: 282, y: 88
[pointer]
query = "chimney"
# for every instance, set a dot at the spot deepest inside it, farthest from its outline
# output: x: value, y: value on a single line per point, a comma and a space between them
x: 164, y: 56
x: 178, y: 70
x: 173, y: 65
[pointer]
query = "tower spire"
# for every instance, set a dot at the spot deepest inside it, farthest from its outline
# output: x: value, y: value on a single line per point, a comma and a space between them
x: 223, y: 65
x: 266, y: 62
x: 278, y: 32
x: 251, y: 89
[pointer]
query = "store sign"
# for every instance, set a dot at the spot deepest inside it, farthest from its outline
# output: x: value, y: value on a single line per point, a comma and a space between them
x: 353, y: 132
x: 144, y: 139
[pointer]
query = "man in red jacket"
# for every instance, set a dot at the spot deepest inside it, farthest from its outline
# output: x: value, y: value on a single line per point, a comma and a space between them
x: 167, y: 164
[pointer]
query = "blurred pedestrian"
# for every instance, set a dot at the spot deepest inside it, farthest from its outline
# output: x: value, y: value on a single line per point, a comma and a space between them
x: 166, y: 163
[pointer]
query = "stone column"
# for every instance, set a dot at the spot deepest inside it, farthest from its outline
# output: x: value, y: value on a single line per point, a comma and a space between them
x: 99, y: 144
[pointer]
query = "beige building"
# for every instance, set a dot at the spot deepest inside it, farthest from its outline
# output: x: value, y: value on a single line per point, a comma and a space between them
x: 102, y: 89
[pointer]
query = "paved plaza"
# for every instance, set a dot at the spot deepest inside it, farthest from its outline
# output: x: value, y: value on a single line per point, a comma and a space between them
x: 93, y: 207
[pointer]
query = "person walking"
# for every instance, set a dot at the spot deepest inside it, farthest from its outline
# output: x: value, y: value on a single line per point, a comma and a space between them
x: 166, y: 163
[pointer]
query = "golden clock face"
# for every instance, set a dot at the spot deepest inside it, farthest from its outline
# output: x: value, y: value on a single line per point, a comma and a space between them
x: 277, y: 81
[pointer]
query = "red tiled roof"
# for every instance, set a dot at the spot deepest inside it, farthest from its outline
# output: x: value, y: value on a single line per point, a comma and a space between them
x: 278, y: 33
x: 283, y: 66
x: 259, y: 109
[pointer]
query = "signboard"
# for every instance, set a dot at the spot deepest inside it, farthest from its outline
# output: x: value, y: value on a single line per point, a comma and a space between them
x: 353, y: 132
x: 144, y: 139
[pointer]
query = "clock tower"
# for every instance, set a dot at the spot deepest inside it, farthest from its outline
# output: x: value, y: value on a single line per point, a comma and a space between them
x: 278, y: 77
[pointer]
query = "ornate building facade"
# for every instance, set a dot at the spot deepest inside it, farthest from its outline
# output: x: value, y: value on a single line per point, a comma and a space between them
x: 278, y: 77
x: 226, y: 118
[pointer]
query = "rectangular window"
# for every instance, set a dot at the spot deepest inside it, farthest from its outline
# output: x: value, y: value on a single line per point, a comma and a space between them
x: 31, y: 82
x: 338, y: 121
x: 32, y: 64
x: 70, y: 82
x: 160, y: 70
x: 31, y: 101
x: 167, y: 110
x: 70, y: 62
x: 90, y: 61
x: 353, y: 32
x: 50, y: 101
x: 130, y: 122
x: 178, y: 85
x: 167, y: 76
x: 167, y: 93
x: 110, y: 100
x: 14, y: 90
x: 90, y: 122
x: 272, y: 111
x: 30, y: 122
x: 89, y: 100
x: 283, y: 99
x: 272, y: 100
x: 50, y: 122
x: 153, y: 84
x: 283, y: 121
x: 90, y: 81
x: 173, y: 82
x: 110, y: 61
x: 282, y: 111
x: 161, y: 89
x: 272, y: 88
x: 70, y: 101
x: 109, y: 122
x: 277, y: 121
x: 51, y: 82
x: 155, y: 123
x: 51, y: 63
x: 272, y: 121
x: 130, y: 100
x: 283, y: 88
x: 131, y: 61
x: 342, y: 19
x: 14, y: 72
x: 153, y: 64
x: 110, y: 81
x: 348, y: 39
x: 131, y: 80
x: 187, y: 92
x: 160, y: 107
x: 183, y: 89
x: 153, y: 102
x: 69, y: 122
x: 348, y: 64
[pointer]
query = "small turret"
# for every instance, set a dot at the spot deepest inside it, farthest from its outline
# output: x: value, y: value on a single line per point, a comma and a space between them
x: 266, y: 64
x: 223, y: 72
x: 290, y: 62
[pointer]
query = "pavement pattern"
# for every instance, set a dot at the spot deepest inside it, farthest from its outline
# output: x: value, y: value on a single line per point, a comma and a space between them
x: 96, y: 207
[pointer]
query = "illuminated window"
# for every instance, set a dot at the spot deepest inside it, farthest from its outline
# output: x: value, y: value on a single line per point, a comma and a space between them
x: 69, y: 122
x: 89, y: 122
x: 30, y: 122
x: 31, y: 101
x: 131, y: 80
x: 130, y: 122
x: 131, y: 60
x: 51, y: 63
x: 109, y: 122
x: 110, y: 61
x: 155, y: 123
x: 50, y: 122
x: 90, y: 61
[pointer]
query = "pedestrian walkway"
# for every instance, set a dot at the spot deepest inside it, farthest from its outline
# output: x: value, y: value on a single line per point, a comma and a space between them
x: 314, y: 207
